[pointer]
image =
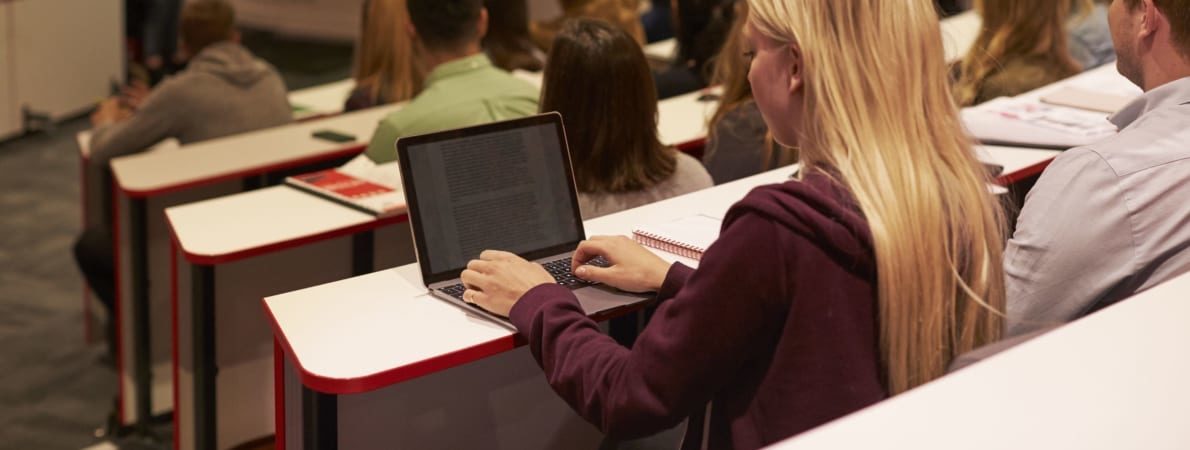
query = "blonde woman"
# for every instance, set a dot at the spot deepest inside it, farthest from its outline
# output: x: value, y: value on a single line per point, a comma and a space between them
x: 861, y: 279
x: 386, y: 68
x: 739, y: 144
x: 1024, y: 45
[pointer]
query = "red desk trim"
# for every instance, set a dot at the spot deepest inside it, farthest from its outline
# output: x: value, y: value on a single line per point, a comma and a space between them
x: 244, y: 173
x: 392, y: 376
x: 212, y: 260
x: 1036, y: 169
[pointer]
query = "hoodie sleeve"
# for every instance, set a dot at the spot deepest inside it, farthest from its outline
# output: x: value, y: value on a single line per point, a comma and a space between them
x: 152, y: 123
x: 723, y: 315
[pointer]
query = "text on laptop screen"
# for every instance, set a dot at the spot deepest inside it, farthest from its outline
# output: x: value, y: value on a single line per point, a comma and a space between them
x: 504, y: 190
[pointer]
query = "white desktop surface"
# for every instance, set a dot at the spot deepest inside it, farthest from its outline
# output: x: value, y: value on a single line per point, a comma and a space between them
x: 253, y: 219
x: 665, y: 50
x: 683, y: 119
x: 1116, y: 379
x: 959, y: 33
x: 359, y: 328
x: 346, y: 330
x: 322, y: 99
x: 991, y: 126
x: 145, y: 173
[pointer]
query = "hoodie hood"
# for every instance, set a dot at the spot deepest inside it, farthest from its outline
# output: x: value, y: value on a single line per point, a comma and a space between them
x: 819, y: 209
x: 230, y: 61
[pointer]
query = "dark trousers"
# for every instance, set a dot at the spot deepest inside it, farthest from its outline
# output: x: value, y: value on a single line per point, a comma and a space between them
x: 95, y: 257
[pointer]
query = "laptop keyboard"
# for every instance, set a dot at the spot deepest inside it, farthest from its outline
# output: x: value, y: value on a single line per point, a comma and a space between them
x: 559, y: 269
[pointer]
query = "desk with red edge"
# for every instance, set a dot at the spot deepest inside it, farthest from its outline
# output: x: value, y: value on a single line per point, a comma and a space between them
x: 146, y: 183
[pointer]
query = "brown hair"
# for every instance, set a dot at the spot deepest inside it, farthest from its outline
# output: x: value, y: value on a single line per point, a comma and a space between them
x: 1017, y: 29
x: 1178, y: 13
x: 205, y: 22
x: 596, y: 76
x: 385, y: 58
x: 508, y: 42
x: 729, y: 69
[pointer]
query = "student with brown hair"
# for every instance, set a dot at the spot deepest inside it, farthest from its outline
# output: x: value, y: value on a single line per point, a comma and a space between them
x: 387, y: 68
x: 1024, y: 45
x: 738, y: 144
x: 508, y: 42
x: 822, y: 295
x: 598, y: 79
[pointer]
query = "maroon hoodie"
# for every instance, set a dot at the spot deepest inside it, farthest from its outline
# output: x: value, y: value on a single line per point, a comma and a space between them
x: 775, y: 333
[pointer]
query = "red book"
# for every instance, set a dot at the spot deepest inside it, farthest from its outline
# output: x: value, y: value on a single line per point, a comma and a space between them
x: 351, y: 191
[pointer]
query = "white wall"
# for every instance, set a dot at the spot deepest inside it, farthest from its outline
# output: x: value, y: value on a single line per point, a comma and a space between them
x: 333, y: 20
x: 57, y: 56
x: 66, y: 53
x: 10, y: 120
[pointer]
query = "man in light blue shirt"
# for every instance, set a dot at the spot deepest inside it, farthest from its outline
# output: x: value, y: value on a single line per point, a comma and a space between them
x: 1111, y: 219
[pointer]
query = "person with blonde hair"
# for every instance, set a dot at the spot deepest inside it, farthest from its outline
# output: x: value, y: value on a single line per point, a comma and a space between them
x: 386, y: 64
x: 862, y: 278
x: 1024, y: 45
x: 738, y: 143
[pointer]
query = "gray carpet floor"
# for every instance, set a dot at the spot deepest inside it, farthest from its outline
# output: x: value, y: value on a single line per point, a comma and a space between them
x: 55, y: 389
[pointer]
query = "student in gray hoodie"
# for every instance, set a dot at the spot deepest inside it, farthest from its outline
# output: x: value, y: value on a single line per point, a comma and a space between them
x: 225, y: 90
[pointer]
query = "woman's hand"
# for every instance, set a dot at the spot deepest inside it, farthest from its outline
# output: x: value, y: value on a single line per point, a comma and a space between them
x: 498, y: 279
x: 632, y: 268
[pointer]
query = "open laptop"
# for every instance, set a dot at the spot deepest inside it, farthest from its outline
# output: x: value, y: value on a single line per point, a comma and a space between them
x: 503, y: 186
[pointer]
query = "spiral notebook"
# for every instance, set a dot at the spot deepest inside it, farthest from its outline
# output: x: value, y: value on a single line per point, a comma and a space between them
x: 687, y: 236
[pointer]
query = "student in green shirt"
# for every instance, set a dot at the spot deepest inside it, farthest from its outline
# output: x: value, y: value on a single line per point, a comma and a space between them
x: 463, y: 88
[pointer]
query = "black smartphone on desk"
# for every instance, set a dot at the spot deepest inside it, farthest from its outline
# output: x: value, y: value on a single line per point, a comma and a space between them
x: 333, y: 136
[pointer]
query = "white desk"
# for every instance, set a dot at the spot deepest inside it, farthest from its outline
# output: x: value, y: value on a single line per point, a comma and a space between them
x: 322, y: 100
x: 959, y: 33
x: 338, y: 336
x: 990, y: 126
x: 1112, y: 380
x: 228, y: 253
x: 364, y: 347
x: 682, y: 120
x: 146, y: 183
x: 664, y: 51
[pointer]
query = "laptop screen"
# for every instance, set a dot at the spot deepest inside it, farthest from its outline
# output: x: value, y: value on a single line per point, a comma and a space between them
x: 505, y: 186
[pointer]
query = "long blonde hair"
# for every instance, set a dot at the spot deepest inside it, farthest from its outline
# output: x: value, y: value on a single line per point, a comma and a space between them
x: 879, y: 114
x: 385, y: 58
x: 1018, y: 29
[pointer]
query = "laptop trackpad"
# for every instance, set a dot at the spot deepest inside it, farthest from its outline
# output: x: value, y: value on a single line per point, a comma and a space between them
x: 599, y: 298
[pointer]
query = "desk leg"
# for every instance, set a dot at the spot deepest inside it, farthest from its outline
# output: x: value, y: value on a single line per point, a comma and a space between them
x: 203, y: 327
x: 142, y: 370
x: 320, y: 420
x: 362, y: 252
